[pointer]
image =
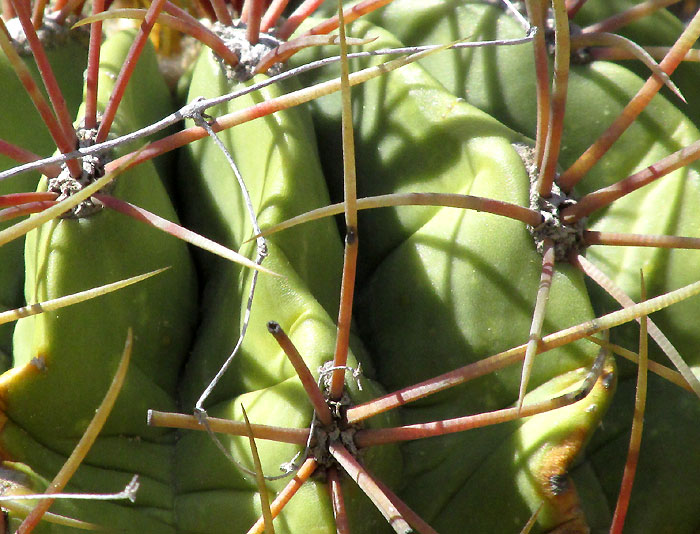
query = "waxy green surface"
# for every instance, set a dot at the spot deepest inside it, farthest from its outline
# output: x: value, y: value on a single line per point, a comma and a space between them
x: 443, y: 287
x: 439, y: 288
x: 276, y: 156
x: 48, y: 407
x: 501, y: 81
x: 22, y: 125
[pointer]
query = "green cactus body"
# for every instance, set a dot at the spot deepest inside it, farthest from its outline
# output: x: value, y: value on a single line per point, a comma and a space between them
x: 216, y: 206
x: 445, y: 287
x: 64, y: 360
x: 277, y: 158
x: 399, y: 124
x: 438, y: 288
x: 666, y: 207
x: 660, y: 28
x: 501, y: 81
x: 606, y: 87
x: 149, y: 102
x: 68, y: 60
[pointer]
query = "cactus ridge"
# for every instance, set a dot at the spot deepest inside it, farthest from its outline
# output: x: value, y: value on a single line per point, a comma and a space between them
x: 446, y: 278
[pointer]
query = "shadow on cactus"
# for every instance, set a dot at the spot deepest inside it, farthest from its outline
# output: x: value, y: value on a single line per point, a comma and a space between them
x: 446, y: 285
x: 494, y: 80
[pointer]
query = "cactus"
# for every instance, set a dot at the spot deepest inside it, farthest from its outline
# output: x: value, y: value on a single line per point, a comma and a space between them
x: 441, y: 290
x: 69, y: 59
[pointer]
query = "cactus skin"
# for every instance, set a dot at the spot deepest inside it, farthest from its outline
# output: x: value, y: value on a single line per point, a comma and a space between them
x: 496, y: 80
x: 660, y: 28
x: 282, y: 173
x: 227, y: 288
x: 68, y: 62
x: 445, y: 287
x: 80, y: 346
